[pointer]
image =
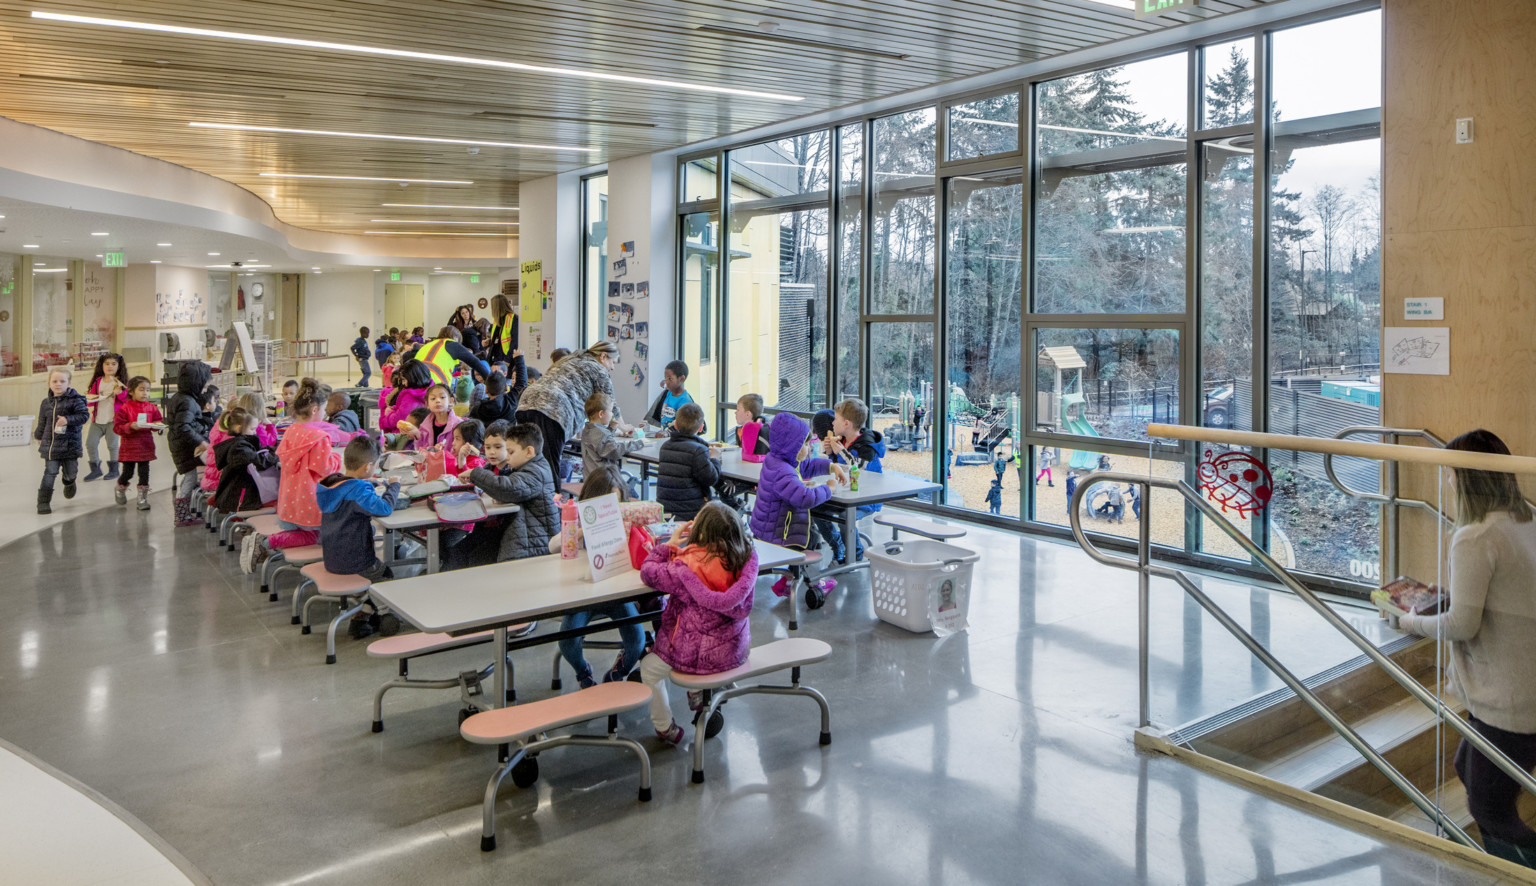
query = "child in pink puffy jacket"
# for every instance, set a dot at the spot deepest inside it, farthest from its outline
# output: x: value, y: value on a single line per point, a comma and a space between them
x: 708, y: 571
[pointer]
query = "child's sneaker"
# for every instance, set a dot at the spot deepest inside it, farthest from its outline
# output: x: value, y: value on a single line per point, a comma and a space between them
x: 672, y: 735
x: 247, y: 553
x: 260, y: 553
x: 360, y: 626
x: 781, y: 587
x: 824, y: 585
x: 695, y: 700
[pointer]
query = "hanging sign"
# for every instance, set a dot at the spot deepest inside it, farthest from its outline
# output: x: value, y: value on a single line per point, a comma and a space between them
x: 1150, y: 8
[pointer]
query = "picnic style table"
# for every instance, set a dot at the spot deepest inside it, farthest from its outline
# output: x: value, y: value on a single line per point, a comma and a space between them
x: 500, y: 595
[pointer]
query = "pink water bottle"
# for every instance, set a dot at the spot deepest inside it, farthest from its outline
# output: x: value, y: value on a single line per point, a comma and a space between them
x: 568, y: 526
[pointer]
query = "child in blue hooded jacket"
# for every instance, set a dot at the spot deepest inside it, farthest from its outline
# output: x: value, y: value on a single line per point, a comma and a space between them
x: 782, y: 514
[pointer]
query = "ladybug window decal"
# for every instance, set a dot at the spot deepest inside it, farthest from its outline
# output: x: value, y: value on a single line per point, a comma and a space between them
x: 1236, y: 481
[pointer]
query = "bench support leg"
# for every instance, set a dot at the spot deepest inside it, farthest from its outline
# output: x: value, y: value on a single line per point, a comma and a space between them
x: 298, y: 597
x: 611, y: 741
x: 343, y: 615
x: 721, y: 696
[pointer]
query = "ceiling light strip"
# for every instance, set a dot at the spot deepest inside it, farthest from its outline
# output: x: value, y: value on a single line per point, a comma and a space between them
x: 429, y: 221
x: 508, y: 235
x: 366, y: 178
x: 410, y: 54
x: 241, y: 127
x: 444, y: 206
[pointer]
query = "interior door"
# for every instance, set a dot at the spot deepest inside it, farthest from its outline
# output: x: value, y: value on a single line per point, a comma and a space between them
x: 403, y: 305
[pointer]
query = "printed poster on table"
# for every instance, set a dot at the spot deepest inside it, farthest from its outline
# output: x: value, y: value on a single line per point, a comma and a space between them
x: 531, y: 292
x: 602, y: 525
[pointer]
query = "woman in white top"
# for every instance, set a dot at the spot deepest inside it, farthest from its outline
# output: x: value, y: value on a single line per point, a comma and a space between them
x: 1491, y: 626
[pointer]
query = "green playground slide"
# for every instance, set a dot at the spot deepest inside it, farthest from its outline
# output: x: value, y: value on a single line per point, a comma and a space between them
x: 1082, y: 460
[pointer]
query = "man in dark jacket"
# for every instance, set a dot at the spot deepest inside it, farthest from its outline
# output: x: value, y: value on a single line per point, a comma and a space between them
x: 685, y: 473
x: 187, y: 428
x: 525, y: 480
x: 60, y: 417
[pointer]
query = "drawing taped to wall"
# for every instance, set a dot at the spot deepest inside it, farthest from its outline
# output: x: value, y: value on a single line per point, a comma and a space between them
x: 626, y: 313
x: 1416, y: 350
x: 627, y: 249
x: 626, y: 332
x: 614, y: 313
x: 642, y: 330
x: 613, y: 290
x: 643, y: 289
x: 642, y: 352
x: 637, y: 374
x: 619, y: 267
x: 180, y: 309
x: 629, y: 291
x: 613, y: 333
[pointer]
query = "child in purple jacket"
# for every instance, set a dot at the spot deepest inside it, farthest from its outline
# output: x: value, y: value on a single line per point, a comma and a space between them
x: 782, y: 514
x: 708, y: 571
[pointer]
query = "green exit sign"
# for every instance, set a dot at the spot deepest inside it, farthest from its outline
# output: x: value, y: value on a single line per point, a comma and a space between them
x: 114, y: 260
x: 10, y: 287
x: 1149, y: 8
x: 394, y: 276
x: 474, y: 278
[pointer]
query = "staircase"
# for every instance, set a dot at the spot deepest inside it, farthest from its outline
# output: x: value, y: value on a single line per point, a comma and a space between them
x: 1277, y: 736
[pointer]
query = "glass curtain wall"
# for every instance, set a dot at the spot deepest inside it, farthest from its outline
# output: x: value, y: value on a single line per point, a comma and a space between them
x: 698, y: 330
x: 10, y: 351
x: 1197, y: 240
x: 53, y: 289
x: 594, y: 257
x: 778, y: 316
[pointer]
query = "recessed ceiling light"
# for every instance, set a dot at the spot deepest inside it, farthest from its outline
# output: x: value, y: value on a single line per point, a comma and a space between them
x: 504, y: 234
x: 368, y: 178
x: 445, y: 206
x: 437, y: 269
x: 49, y: 270
x: 406, y: 53
x: 100, y: 234
x: 241, y: 127
x: 377, y: 270
x: 213, y: 253
x: 154, y: 261
x: 99, y: 255
x: 429, y: 221
x: 162, y: 244
x: 39, y: 264
x: 29, y: 246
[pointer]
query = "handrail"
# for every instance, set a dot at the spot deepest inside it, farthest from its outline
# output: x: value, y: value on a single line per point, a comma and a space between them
x: 1145, y: 569
x: 1391, y: 497
x: 1449, y: 458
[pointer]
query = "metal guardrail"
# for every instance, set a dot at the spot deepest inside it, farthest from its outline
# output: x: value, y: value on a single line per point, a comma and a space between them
x: 1390, y: 497
x: 1146, y: 569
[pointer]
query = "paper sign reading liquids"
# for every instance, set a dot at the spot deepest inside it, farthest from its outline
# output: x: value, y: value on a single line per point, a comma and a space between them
x: 1424, y: 309
x: 602, y: 525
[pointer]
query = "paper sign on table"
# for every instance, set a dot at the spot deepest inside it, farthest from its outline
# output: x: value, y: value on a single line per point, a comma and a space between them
x: 602, y: 524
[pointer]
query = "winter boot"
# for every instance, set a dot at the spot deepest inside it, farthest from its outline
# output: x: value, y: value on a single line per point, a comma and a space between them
x: 143, y: 496
x: 184, y: 515
x: 111, y: 471
x: 95, y: 473
x: 44, y: 496
x: 69, y: 489
x: 120, y: 494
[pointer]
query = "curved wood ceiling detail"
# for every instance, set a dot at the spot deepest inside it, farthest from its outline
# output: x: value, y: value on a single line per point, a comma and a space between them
x: 139, y: 90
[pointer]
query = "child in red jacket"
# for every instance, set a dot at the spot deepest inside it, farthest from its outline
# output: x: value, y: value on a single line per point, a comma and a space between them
x: 136, y: 422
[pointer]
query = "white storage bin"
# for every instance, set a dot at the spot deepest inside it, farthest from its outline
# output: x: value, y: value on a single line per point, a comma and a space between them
x: 908, y: 577
x: 15, y: 430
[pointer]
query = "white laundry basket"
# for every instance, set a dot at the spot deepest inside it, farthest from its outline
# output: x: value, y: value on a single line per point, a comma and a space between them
x: 908, y: 577
x: 15, y: 430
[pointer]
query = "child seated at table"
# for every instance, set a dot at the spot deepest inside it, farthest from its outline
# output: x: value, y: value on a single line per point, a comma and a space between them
x: 348, y: 503
x: 751, y: 434
x: 603, y: 482
x: 846, y: 441
x: 502, y: 393
x: 686, y: 472
x: 338, y: 413
x: 464, y: 453
x: 290, y: 390
x: 523, y: 479
x: 409, y: 426
x: 239, y: 450
x: 439, y: 423
x: 708, y: 570
x: 782, y: 514
x: 599, y: 447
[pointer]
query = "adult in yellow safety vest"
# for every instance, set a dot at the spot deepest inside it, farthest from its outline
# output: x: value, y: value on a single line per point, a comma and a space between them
x: 442, y: 353
x: 504, y: 334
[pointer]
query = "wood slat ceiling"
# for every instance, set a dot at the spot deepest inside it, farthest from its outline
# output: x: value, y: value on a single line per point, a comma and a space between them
x: 138, y: 90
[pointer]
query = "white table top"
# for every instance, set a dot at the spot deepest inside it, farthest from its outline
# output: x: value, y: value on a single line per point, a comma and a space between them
x: 519, y: 590
x: 419, y: 516
x: 874, y: 487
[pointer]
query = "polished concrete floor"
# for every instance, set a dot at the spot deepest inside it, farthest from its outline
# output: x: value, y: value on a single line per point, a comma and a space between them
x: 136, y: 659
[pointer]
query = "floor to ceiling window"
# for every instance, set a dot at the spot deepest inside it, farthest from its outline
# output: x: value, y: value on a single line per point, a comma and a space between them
x: 10, y: 351
x: 1159, y: 247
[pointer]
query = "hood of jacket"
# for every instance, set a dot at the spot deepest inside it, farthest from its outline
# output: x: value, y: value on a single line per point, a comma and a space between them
x: 192, y: 379
x: 786, y: 434
x: 338, y: 489
x: 872, y: 438
x: 821, y: 423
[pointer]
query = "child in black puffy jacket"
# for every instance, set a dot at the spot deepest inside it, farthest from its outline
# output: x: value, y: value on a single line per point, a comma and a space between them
x: 59, y: 419
x: 188, y: 423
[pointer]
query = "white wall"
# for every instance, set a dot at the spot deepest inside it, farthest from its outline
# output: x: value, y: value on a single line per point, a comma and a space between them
x: 336, y: 304
x: 550, y: 226
x: 143, y: 285
x: 642, y: 207
x: 445, y: 292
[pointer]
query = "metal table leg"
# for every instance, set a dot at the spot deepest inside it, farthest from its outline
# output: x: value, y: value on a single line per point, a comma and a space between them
x: 432, y: 553
x: 499, y: 680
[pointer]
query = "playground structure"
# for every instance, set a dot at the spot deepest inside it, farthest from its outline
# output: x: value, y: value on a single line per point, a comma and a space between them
x: 1064, y: 407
